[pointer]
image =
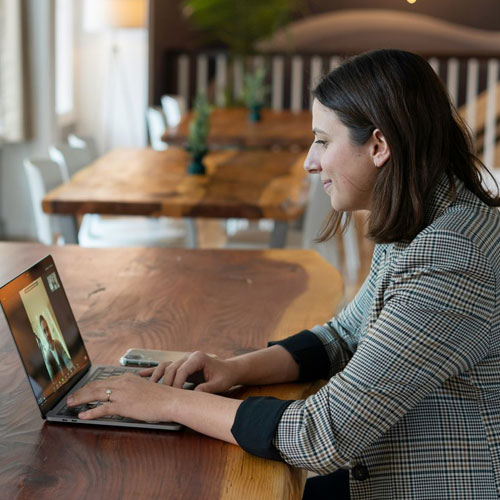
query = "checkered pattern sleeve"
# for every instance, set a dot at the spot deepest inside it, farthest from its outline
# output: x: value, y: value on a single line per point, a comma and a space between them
x: 340, y: 335
x: 326, y: 349
x: 434, y: 323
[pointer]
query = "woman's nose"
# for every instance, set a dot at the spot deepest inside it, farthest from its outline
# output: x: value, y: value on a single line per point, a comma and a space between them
x: 312, y: 164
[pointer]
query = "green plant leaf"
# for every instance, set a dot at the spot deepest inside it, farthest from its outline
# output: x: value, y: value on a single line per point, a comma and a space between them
x: 241, y: 23
x: 199, y: 127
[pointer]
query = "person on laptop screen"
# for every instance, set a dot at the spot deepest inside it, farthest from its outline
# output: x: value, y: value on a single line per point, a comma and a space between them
x: 411, y: 407
x: 54, y: 353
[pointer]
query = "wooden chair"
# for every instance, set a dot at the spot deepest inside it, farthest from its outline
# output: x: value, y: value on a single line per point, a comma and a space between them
x: 42, y: 176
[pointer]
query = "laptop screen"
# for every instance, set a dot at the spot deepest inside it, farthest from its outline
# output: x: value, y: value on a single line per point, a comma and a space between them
x: 44, y: 330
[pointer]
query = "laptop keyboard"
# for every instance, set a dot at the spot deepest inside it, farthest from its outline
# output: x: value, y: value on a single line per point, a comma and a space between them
x: 99, y: 374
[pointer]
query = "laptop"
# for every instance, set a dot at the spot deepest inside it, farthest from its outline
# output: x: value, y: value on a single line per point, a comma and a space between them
x: 51, y: 348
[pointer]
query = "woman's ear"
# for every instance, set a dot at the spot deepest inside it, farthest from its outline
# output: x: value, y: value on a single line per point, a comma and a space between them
x: 380, y: 151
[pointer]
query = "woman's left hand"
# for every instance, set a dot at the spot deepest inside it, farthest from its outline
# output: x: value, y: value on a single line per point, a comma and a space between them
x: 129, y: 396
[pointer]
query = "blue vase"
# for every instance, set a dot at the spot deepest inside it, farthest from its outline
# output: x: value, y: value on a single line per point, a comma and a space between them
x: 196, y: 167
x: 254, y: 113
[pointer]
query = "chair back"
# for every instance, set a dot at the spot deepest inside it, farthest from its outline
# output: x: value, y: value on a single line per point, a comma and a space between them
x: 84, y: 142
x: 70, y: 159
x: 42, y: 176
x: 174, y: 107
x: 156, y: 127
x: 316, y: 213
x: 318, y: 207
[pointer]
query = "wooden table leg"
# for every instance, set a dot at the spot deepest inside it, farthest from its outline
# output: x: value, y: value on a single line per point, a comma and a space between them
x: 192, y: 233
x: 278, y: 236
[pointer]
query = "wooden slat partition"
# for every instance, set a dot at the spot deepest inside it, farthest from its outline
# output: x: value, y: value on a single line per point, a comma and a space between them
x: 316, y: 72
x: 277, y: 83
x: 238, y: 78
x: 472, y: 84
x: 297, y: 85
x: 452, y: 79
x: 334, y: 62
x: 434, y: 62
x: 471, y: 99
x: 490, y: 125
x: 202, y: 74
x: 220, y: 79
x: 183, y: 77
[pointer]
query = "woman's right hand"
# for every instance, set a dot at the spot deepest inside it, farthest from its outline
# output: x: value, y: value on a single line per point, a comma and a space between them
x: 218, y: 375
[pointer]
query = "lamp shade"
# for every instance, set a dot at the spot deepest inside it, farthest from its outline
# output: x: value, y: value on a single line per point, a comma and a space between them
x: 101, y: 15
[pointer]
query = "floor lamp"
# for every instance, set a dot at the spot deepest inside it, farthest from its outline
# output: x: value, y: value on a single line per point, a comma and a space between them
x: 109, y: 16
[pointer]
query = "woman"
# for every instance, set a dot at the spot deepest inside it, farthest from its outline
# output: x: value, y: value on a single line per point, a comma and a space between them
x: 412, y: 405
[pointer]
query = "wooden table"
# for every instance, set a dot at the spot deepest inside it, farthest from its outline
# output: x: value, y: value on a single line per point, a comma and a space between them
x: 220, y: 301
x: 231, y: 127
x: 246, y: 184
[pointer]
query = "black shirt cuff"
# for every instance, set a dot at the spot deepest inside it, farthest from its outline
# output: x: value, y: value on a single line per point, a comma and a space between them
x: 255, y: 425
x: 309, y: 353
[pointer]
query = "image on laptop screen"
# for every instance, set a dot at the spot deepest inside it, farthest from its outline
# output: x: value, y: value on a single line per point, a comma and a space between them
x: 44, y: 330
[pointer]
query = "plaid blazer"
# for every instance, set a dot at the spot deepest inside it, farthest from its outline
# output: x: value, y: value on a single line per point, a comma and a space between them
x: 414, y: 396
x: 412, y: 406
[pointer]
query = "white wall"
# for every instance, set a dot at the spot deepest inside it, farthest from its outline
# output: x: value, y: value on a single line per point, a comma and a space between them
x: 92, y: 74
x: 111, y: 87
x: 15, y: 204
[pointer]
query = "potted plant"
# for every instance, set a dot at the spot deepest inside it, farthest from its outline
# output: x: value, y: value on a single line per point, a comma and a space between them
x: 254, y: 92
x: 239, y: 24
x: 197, y: 136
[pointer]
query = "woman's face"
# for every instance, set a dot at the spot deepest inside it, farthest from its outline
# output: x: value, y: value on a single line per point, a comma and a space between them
x: 348, y: 171
x: 47, y: 332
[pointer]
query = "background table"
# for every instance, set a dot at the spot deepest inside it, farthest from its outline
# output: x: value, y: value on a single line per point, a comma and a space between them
x: 246, y: 184
x: 231, y: 127
x: 220, y: 301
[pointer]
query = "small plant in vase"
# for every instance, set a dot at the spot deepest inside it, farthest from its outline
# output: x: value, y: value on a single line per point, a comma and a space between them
x: 197, y: 137
x: 254, y: 92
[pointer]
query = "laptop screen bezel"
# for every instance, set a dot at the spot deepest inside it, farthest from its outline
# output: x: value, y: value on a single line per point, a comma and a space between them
x: 53, y: 399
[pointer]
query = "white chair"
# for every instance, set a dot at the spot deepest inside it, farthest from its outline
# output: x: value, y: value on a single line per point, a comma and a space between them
x: 174, y: 108
x: 42, y: 176
x: 70, y: 159
x: 317, y: 210
x: 84, y: 142
x: 98, y: 231
x: 156, y: 127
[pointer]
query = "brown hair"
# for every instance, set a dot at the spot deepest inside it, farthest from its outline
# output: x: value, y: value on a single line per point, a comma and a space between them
x: 399, y: 93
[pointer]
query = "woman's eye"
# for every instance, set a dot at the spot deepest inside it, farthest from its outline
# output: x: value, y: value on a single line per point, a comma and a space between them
x: 318, y: 141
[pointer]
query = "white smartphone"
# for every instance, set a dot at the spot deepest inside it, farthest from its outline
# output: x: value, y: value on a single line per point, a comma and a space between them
x: 145, y: 358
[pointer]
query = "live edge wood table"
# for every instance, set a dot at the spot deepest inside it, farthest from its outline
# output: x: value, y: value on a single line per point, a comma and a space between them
x: 247, y: 184
x: 225, y: 302
x: 231, y: 127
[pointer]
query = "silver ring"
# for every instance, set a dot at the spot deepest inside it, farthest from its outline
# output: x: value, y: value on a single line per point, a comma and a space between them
x: 108, y: 393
